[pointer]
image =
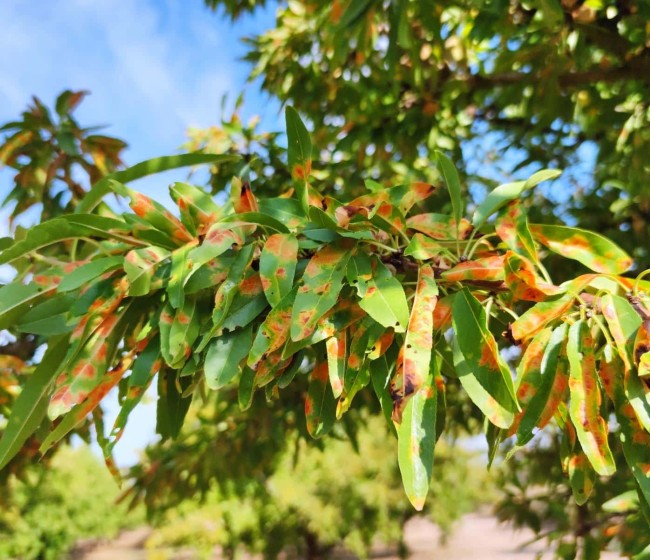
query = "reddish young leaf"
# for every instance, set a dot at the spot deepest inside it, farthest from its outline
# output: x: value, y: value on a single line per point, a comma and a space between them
x: 242, y: 197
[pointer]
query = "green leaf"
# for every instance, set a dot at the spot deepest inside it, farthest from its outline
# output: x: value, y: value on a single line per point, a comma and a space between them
x: 416, y: 442
x: 258, y: 219
x: 180, y: 271
x: 30, y: 407
x: 503, y: 194
x: 450, y: 176
x: 149, y: 167
x: 48, y: 318
x: 595, y: 251
x: 320, y: 404
x: 246, y: 388
x: 481, y: 369
x: 322, y: 282
x: 16, y: 299
x: 278, y: 265
x: 172, y: 406
x: 383, y: 297
x: 143, y: 371
x: 86, y: 273
x: 224, y: 356
x: 73, y: 226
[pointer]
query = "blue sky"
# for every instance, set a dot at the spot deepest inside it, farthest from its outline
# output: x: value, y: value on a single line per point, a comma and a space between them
x: 154, y: 67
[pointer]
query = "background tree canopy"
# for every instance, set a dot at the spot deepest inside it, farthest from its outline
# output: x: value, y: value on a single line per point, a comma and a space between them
x: 340, y: 280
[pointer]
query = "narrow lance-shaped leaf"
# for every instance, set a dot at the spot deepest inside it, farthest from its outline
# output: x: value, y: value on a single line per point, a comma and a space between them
x: 145, y: 367
x: 171, y: 406
x: 635, y: 440
x: 299, y: 155
x: 322, y: 282
x: 540, y: 315
x: 16, y: 299
x: 503, y: 194
x: 440, y: 226
x: 450, y: 175
x: 595, y: 251
x: 178, y: 330
x: 79, y: 413
x: 30, y: 407
x: 273, y: 332
x: 87, y: 272
x: 86, y: 370
x: 581, y: 477
x: 542, y: 384
x: 415, y: 356
x: 591, y: 428
x: 278, y: 266
x: 143, y: 169
x: 623, y: 322
x: 478, y: 361
x: 242, y: 197
x: 320, y: 405
x: 416, y: 442
x: 487, y: 269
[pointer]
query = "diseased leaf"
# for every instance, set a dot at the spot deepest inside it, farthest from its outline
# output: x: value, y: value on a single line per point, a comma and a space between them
x: 145, y: 367
x: 595, y: 251
x: 512, y: 227
x: 440, y: 226
x: 299, y: 150
x: 181, y: 266
x: 524, y: 284
x: 540, y: 315
x: 591, y: 428
x: 322, y: 282
x: 87, y: 272
x: 581, y: 477
x: 30, y: 407
x: 336, y: 347
x: 198, y: 210
x: 140, y: 266
x: 482, y: 361
x: 278, y: 265
x: 416, y: 442
x: 488, y: 269
x: 543, y: 380
x: 415, y: 356
x: 178, y: 330
x: 227, y: 291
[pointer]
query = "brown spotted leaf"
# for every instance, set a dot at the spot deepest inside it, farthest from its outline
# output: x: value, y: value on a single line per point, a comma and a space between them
x: 415, y: 356
x: 591, y: 428
x: 278, y: 266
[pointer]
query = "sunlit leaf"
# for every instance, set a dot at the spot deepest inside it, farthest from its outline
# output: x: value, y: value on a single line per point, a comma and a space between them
x: 278, y: 265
